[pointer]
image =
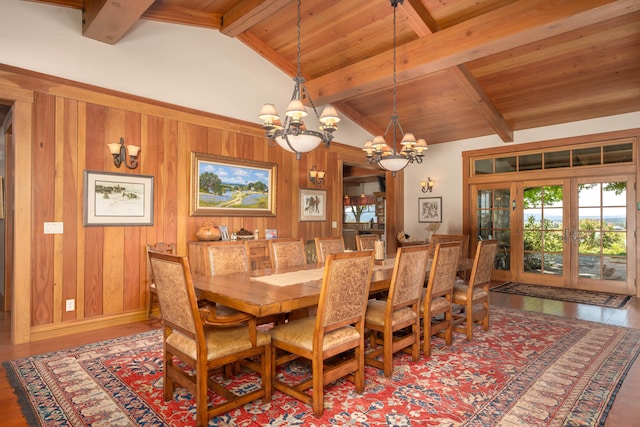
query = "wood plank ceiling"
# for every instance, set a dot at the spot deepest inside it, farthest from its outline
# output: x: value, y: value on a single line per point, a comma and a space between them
x: 465, y: 68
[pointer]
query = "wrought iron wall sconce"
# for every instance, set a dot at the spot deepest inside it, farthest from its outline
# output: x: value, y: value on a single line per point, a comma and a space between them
x: 119, y: 153
x: 427, y: 185
x: 316, y: 176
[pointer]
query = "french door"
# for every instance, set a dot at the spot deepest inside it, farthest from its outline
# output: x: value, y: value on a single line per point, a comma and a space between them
x: 571, y: 232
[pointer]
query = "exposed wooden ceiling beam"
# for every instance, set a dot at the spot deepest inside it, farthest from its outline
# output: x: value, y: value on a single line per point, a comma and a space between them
x: 268, y: 53
x: 108, y: 21
x: 514, y: 25
x: 184, y: 16
x: 244, y: 14
x: 423, y: 25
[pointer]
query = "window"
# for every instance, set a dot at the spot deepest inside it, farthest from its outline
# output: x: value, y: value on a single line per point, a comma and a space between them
x: 604, y: 153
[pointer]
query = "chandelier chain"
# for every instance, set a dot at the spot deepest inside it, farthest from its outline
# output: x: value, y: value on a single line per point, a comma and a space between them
x: 298, y: 26
x: 378, y: 151
x: 293, y: 134
x: 395, y: 81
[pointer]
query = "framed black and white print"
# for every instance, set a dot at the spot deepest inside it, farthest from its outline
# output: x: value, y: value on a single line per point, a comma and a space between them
x: 117, y: 199
x: 430, y: 209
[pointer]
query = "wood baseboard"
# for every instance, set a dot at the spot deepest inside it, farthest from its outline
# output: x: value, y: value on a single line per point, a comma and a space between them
x: 39, y: 333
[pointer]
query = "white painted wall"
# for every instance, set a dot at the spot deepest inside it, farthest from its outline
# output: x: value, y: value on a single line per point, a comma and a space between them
x: 188, y: 66
x: 202, y: 69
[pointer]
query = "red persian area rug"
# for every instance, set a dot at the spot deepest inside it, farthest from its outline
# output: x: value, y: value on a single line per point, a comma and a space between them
x: 528, y: 369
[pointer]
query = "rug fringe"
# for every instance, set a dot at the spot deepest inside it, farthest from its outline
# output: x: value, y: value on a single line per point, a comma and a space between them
x: 23, y: 400
x: 616, y: 389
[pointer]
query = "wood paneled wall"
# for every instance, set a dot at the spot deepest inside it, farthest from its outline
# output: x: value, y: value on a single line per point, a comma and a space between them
x: 104, y: 268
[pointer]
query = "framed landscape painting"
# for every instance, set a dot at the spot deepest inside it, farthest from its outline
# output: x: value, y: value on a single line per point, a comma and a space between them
x: 117, y: 199
x: 430, y: 209
x: 228, y: 186
x: 313, y: 205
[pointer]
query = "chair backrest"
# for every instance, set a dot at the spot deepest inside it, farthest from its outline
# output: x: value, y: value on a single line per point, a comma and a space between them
x: 178, y: 304
x: 483, y: 262
x: 365, y: 242
x: 160, y: 247
x: 227, y: 258
x: 345, y: 290
x: 287, y: 253
x: 445, y: 238
x: 443, y: 269
x: 328, y: 245
x: 409, y: 274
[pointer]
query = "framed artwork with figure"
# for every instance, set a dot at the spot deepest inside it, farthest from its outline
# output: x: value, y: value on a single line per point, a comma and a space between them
x: 313, y: 205
x: 430, y: 209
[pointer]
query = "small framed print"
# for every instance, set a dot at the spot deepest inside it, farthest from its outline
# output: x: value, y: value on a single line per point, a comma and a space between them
x: 313, y: 205
x: 117, y: 199
x: 270, y: 233
x: 430, y: 209
x: 224, y: 232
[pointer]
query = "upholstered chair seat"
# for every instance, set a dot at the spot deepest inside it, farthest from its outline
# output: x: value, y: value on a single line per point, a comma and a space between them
x: 300, y: 334
x: 437, y: 304
x: 461, y: 294
x: 376, y: 313
x: 221, y: 342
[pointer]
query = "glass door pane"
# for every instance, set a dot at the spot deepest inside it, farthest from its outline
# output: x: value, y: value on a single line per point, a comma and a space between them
x: 602, y: 231
x: 542, y: 236
x: 493, y: 221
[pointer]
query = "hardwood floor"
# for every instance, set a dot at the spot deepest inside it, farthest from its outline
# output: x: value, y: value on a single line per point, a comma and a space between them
x: 625, y: 410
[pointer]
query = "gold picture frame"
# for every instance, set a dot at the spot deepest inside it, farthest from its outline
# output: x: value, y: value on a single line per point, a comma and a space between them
x: 226, y: 186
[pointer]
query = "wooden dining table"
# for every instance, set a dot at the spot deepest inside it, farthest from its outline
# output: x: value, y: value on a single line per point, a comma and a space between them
x: 247, y: 292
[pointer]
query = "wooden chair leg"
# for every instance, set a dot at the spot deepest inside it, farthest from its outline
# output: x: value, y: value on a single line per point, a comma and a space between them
x: 426, y: 348
x: 202, y: 416
x: 317, y: 402
x: 149, y: 305
x: 448, y: 334
x: 359, y: 374
x: 415, y: 347
x: 387, y: 354
x: 469, y: 325
x: 485, y: 316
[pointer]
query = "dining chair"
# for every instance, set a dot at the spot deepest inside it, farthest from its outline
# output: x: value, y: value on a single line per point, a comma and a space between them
x: 436, y: 307
x: 227, y: 258
x: 328, y: 245
x: 445, y: 238
x: 388, y: 320
x: 336, y: 330
x: 365, y: 242
x: 202, y: 346
x: 464, y: 253
x: 152, y: 298
x: 474, y: 295
x: 287, y: 253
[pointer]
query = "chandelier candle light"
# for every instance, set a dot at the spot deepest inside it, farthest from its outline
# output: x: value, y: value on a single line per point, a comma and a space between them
x: 377, y: 151
x: 294, y: 135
